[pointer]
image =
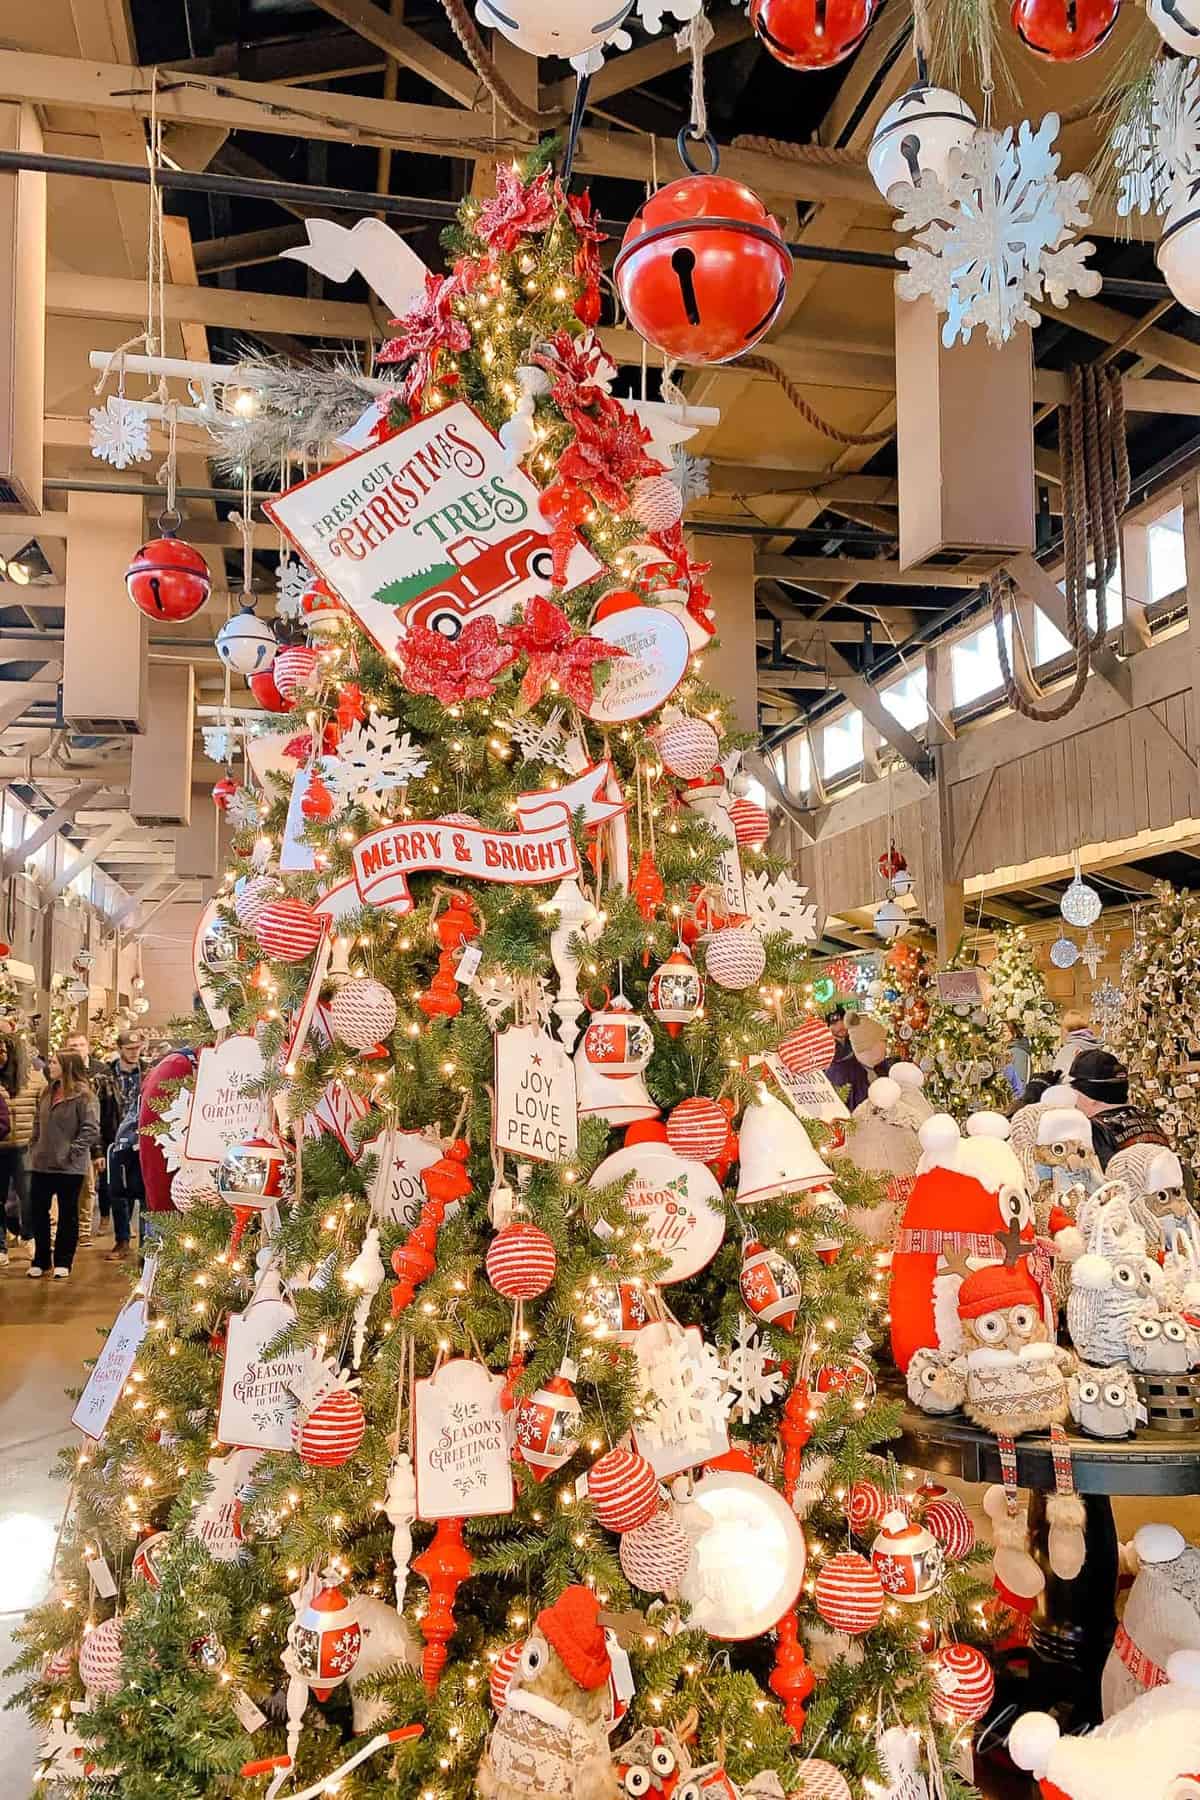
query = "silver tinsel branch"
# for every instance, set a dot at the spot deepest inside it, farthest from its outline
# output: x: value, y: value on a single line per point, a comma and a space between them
x: 301, y: 409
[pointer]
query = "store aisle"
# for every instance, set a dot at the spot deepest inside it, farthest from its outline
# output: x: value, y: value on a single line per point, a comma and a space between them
x: 47, y: 1328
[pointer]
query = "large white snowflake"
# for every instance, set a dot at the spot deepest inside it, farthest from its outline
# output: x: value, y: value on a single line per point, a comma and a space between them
x: 540, y: 740
x: 752, y: 1375
x: 690, y: 1401
x: 175, y: 1117
x: 997, y: 235
x: 120, y: 432
x: 373, y: 758
x: 1158, y: 151
x: 220, y: 742
x: 291, y: 579
x: 244, y: 810
x: 778, y: 903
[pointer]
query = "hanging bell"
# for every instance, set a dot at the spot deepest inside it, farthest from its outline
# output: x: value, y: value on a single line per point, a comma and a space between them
x: 777, y: 1154
x: 676, y: 991
x: 619, y: 1101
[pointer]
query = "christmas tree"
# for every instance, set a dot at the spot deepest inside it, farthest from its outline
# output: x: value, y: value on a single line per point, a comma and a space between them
x: 963, y: 1050
x: 907, y: 977
x: 1019, y: 996
x: 478, y: 1415
x: 1156, y: 1033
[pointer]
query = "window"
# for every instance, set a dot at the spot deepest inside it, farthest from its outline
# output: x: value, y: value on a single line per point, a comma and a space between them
x: 906, y: 699
x: 1049, y: 642
x: 975, y: 664
x: 1167, y: 571
x: 12, y: 822
x: 82, y: 884
x: 842, y: 745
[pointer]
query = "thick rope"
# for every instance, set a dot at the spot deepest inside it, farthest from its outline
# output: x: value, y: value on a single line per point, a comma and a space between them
x: 481, y: 61
x: 822, y: 156
x: 1095, y: 470
x: 763, y: 365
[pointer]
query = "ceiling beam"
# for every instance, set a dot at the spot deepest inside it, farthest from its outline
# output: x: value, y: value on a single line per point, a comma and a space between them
x: 64, y: 812
x: 881, y: 572
x: 1177, y: 397
x: 246, y: 249
x: 1138, y: 881
x: 93, y: 850
x: 862, y: 694
x: 753, y: 478
x: 16, y: 697
x: 322, y: 56
x: 1161, y: 348
x: 620, y: 73
x: 408, y: 47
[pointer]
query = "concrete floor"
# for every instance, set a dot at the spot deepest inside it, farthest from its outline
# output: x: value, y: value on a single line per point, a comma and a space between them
x: 47, y: 1328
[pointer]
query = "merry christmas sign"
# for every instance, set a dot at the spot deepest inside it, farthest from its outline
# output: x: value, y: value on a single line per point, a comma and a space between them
x: 111, y: 1372
x: 460, y: 1443
x: 223, y: 1113
x: 429, y: 527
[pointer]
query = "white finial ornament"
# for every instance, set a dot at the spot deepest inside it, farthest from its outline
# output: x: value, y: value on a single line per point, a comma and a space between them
x: 400, y: 1505
x: 365, y: 1278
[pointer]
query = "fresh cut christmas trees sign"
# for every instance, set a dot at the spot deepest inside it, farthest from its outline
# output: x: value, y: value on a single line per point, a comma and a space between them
x: 430, y: 527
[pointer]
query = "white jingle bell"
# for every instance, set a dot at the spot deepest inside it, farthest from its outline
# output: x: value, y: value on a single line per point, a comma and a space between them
x: 890, y: 920
x: 916, y: 134
x: 657, y: 503
x: 776, y: 1153
x: 362, y: 1013
x: 1178, y: 250
x: 246, y: 644
x: 567, y: 28
x: 1177, y: 23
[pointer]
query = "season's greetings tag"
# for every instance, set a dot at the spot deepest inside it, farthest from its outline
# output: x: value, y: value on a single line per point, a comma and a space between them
x: 460, y: 1443
x: 536, y: 1113
x: 258, y: 1401
x: 111, y: 1372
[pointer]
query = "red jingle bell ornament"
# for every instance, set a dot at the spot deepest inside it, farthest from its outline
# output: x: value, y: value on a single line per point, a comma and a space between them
x: 262, y: 686
x: 1063, y: 30
x: 168, y: 579
x: 547, y: 1426
x: 703, y: 269
x: 811, y: 34
x: 223, y: 792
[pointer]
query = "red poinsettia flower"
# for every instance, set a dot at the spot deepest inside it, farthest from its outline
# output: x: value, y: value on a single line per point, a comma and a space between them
x: 431, y: 326
x: 608, y: 457
x: 455, y: 669
x: 689, y: 573
x: 547, y: 638
x: 580, y: 371
x: 517, y: 209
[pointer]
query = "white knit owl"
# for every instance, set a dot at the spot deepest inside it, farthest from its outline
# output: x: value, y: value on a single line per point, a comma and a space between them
x: 1113, y: 1280
x: 1162, y: 1615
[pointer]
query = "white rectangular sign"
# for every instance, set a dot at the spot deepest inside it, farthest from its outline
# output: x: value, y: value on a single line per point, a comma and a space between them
x: 811, y: 1094
x: 460, y: 1443
x: 111, y: 1372
x: 258, y: 1401
x: 222, y: 1111
x: 536, y: 1111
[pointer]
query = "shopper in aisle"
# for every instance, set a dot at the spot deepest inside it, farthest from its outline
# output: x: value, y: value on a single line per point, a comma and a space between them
x: 90, y: 1195
x: 1102, y: 1084
x: 845, y: 1071
x: 1077, y: 1037
x: 21, y: 1086
x: 66, y: 1133
x: 118, y: 1086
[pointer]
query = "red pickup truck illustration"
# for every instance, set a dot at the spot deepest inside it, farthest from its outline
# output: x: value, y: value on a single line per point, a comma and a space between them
x: 491, y: 578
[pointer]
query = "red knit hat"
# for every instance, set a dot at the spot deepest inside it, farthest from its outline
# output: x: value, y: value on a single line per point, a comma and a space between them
x: 573, y: 1626
x: 996, y: 1288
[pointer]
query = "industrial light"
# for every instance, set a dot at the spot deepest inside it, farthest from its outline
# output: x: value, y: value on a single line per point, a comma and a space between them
x: 29, y: 564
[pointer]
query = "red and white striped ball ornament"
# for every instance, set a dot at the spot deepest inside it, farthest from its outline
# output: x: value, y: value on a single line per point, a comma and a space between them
x: 327, y: 1639
x: 655, y: 1556
x: 697, y: 1128
x: 807, y: 1048
x: 288, y: 929
x: 521, y: 1261
x: 251, y: 894
x: 950, y: 1522
x: 326, y: 1433
x: 688, y: 747
x: 657, y: 503
x: 867, y: 1505
x: 193, y: 1184
x: 849, y: 1594
x: 623, y: 1490
x: 502, y: 1672
x: 751, y: 822
x: 818, y: 1780
x: 145, y: 1558
x: 100, y: 1658
x: 297, y: 670
x: 362, y: 1012
x: 769, y: 1284
x: 908, y: 1559
x: 963, y: 1683
x: 58, y: 1665
x: 547, y: 1424
x: 735, y: 956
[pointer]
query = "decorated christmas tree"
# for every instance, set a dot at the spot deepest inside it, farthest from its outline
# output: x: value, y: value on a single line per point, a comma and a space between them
x: 1019, y: 996
x: 964, y: 1047
x: 907, y: 977
x: 491, y: 1405
x: 1157, y: 1030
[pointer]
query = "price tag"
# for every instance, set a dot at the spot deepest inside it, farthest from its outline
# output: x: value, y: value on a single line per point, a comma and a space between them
x: 468, y: 964
x: 247, y: 1714
x: 101, y: 1577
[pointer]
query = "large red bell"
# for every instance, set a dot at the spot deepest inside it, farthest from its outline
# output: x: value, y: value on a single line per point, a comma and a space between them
x: 1063, y: 30
x: 811, y: 34
x: 168, y: 579
x: 703, y: 269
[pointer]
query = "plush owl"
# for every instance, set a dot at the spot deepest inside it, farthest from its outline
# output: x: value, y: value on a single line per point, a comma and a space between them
x: 1154, y: 1176
x: 1151, y: 1749
x: 710, y: 1782
x: 1161, y: 1617
x: 1162, y: 1343
x: 1104, y: 1402
x: 1065, y: 1163
x: 652, y: 1764
x: 1113, y: 1280
x: 881, y: 1138
x: 551, y: 1740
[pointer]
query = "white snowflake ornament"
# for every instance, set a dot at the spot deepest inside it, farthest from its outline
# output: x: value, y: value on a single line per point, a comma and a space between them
x: 220, y: 743
x: 778, y: 903
x: 291, y: 579
x: 685, y: 1417
x: 175, y: 1119
x: 997, y: 235
x: 752, y: 1375
x: 120, y: 432
x: 244, y: 810
x: 1158, y: 152
x: 497, y: 994
x: 373, y: 758
x: 541, y: 740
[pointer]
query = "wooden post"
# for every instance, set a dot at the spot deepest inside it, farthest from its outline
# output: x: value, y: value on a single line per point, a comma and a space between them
x: 1135, y: 579
x: 733, y: 665
x: 160, y: 781
x: 105, y: 639
x: 939, y: 696
x: 196, y: 844
x: 1191, y: 556
x: 944, y: 901
x: 23, y: 340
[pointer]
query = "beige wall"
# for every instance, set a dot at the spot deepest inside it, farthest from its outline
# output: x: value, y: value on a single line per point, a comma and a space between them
x: 167, y: 962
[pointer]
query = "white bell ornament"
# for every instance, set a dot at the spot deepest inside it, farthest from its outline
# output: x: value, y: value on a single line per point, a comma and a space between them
x: 916, y: 134
x: 1178, y: 250
x: 1177, y: 23
x: 565, y: 28
x: 246, y: 644
x: 777, y: 1154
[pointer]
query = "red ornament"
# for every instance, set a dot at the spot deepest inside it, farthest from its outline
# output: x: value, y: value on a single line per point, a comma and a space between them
x: 866, y: 1506
x: 457, y: 925
x: 521, y: 1261
x: 676, y: 992
x: 168, y: 579
x: 223, y: 792
x: 769, y: 1285
x: 950, y: 1522
x: 429, y: 328
x: 565, y: 506
x: 351, y: 707
x: 327, y: 1434
x: 317, y: 803
x: 323, y: 611
x: 647, y: 887
x: 556, y: 656
x: 251, y: 1177
x: 327, y: 1640
x: 445, y: 1565
x: 547, y: 1425
x: 963, y: 1683
x: 698, y: 1128
x: 808, y: 1047
x: 703, y: 269
x: 444, y: 1181
x: 791, y: 1681
x: 296, y: 670
x: 454, y: 669
x: 145, y: 1558
x: 288, y: 929
x: 751, y: 822
x: 623, y: 1490
x: 907, y: 1558
x: 1063, y: 30
x: 849, y: 1594
x: 811, y: 34
x: 262, y: 686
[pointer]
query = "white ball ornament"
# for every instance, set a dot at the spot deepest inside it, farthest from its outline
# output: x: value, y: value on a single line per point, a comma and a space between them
x: 657, y: 503
x: 1177, y: 23
x: 747, y: 1569
x: 193, y: 1184
x: 246, y: 644
x: 362, y: 1013
x: 688, y: 747
x: 916, y: 134
x: 655, y: 1556
x: 567, y: 28
x: 100, y: 1658
x: 817, y: 1780
x: 735, y: 957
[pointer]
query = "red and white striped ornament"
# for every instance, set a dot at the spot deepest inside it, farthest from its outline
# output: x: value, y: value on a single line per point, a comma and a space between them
x: 688, y: 747
x: 521, y: 1261
x: 818, y: 1780
x: 657, y: 503
x: 908, y: 1559
x: 963, y: 1683
x: 697, y: 1128
x: 849, y: 1594
x: 623, y: 1490
x: 58, y: 1665
x: 751, y: 822
x: 100, y: 1658
x: 853, y: 1377
x: 769, y: 1284
x: 502, y: 1672
x: 867, y: 1505
x: 327, y: 1433
x: 297, y: 670
x: 251, y: 894
x: 288, y: 929
x: 362, y: 1012
x: 950, y: 1523
x: 735, y: 957
x: 807, y: 1048
x: 192, y: 1184
x: 145, y: 1558
x: 655, y: 1556
x: 547, y: 1424
x: 327, y: 1640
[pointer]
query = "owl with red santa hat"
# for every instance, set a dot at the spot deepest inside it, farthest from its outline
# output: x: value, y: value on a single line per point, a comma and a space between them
x: 969, y: 1206
x: 1150, y: 1748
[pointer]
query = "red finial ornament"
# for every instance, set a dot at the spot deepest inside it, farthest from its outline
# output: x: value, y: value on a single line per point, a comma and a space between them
x: 318, y: 801
x: 648, y: 889
x: 454, y: 928
x: 444, y: 1566
x: 416, y: 1259
x: 792, y: 1681
x: 566, y: 507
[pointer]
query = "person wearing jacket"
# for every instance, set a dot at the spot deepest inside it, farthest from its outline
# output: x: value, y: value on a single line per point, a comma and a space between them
x: 65, y: 1136
x: 20, y: 1088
